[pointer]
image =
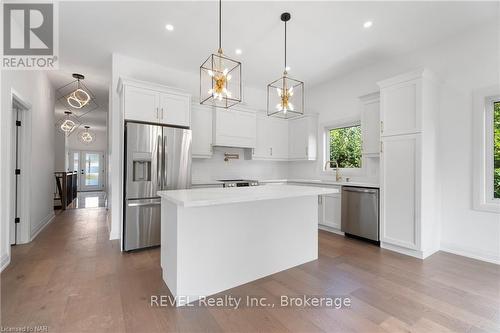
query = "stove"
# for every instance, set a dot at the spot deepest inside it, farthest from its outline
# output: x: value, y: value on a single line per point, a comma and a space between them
x: 238, y: 182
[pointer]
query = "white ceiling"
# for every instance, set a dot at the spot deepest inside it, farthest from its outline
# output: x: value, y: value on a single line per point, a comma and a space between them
x: 325, y: 39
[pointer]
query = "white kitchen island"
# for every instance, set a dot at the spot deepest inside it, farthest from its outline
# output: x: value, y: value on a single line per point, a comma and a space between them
x: 213, y: 239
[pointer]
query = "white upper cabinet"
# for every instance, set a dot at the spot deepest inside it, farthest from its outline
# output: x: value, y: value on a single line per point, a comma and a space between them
x: 272, y: 139
x: 302, y: 138
x: 404, y: 103
x: 234, y: 128
x: 201, y: 125
x: 175, y: 109
x: 370, y: 124
x: 140, y: 104
x: 154, y: 103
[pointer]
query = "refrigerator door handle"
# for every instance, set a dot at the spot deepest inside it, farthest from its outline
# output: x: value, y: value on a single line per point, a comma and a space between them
x: 158, y: 163
x: 165, y: 164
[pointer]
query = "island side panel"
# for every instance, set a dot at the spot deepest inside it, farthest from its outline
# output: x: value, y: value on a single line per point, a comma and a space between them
x: 169, y: 245
x: 224, y: 246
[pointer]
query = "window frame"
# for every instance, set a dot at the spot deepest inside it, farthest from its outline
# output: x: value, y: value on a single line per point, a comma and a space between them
x: 351, y: 122
x: 483, y: 159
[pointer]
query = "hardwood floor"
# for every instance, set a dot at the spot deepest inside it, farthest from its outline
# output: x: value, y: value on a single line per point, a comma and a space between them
x: 73, y: 279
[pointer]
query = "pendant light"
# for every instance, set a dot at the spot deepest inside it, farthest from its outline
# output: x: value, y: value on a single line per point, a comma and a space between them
x: 285, y: 96
x: 68, y: 123
x: 220, y: 77
x: 86, y: 136
x: 76, y: 96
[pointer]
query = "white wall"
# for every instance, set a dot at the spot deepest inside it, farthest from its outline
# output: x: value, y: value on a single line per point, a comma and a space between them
x: 215, y: 167
x: 464, y: 63
x: 34, y: 88
x: 124, y: 66
x: 60, y: 151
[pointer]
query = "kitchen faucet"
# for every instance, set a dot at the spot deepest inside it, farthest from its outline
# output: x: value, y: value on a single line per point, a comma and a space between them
x: 338, y: 177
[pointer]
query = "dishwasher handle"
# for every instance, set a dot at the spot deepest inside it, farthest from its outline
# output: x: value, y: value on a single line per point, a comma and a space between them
x: 359, y: 190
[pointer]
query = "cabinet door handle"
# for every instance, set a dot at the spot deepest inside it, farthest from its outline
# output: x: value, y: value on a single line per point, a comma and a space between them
x: 157, y: 113
x: 271, y: 151
x: 381, y: 146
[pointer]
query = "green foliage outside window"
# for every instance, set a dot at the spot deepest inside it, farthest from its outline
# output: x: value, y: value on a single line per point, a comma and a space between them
x: 496, y: 150
x: 345, y: 147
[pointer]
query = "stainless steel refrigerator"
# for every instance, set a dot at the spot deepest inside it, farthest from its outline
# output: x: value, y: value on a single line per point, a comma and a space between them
x: 156, y: 158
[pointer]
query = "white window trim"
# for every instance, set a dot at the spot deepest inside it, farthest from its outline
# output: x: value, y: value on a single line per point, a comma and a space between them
x: 325, y: 128
x: 483, y: 142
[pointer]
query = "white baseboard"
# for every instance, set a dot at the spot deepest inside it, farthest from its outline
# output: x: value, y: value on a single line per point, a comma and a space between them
x: 4, y: 262
x: 114, y: 235
x: 490, y: 257
x: 330, y: 229
x: 41, y: 225
x: 409, y: 252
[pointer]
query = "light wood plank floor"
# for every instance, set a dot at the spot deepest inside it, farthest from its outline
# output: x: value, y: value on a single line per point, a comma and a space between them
x: 73, y: 279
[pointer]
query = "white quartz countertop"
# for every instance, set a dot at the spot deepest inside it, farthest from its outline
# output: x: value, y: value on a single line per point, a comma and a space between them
x: 220, y: 196
x: 320, y: 182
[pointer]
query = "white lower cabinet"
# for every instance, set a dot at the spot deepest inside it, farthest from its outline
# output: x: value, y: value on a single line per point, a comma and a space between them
x: 201, y: 126
x: 399, y: 190
x: 330, y: 210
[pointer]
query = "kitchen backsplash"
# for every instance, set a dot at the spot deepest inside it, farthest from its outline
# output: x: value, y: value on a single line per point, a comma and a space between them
x: 216, y: 168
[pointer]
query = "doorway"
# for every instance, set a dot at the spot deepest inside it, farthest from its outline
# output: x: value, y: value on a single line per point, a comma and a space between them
x: 20, y: 162
x: 90, y: 167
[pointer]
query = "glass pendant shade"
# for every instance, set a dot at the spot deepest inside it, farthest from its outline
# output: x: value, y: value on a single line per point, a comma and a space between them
x: 285, y: 96
x: 86, y: 136
x: 220, y: 77
x: 68, y: 124
x: 220, y: 81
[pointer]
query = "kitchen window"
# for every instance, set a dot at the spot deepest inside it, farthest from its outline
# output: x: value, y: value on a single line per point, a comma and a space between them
x: 487, y: 151
x: 496, y: 149
x: 343, y: 145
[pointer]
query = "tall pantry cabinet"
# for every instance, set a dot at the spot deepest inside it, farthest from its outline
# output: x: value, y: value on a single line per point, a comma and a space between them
x: 409, y: 191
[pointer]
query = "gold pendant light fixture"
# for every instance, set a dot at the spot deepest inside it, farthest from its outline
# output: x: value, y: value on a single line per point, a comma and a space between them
x: 285, y: 96
x: 220, y: 77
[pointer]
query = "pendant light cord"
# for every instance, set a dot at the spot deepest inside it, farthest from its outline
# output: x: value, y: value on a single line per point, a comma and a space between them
x: 220, y: 26
x: 285, y: 46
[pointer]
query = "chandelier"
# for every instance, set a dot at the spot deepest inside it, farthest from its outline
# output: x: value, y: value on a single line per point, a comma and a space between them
x: 86, y: 136
x: 76, y: 96
x: 285, y: 96
x: 220, y: 77
x: 68, y: 123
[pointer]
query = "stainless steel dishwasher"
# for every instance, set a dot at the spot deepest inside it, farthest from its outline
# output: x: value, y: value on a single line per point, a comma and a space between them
x: 360, y: 212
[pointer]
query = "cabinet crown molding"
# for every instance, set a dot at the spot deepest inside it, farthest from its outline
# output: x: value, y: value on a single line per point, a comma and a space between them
x: 125, y: 81
x: 413, y: 75
x: 371, y: 97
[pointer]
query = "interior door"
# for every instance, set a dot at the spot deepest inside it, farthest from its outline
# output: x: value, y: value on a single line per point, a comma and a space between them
x: 91, y: 171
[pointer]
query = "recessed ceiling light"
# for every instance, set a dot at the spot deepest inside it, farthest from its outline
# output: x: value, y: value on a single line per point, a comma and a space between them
x: 169, y: 27
x: 238, y: 51
x: 287, y: 68
x: 367, y: 24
